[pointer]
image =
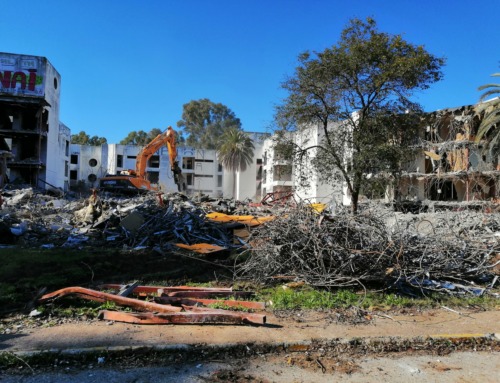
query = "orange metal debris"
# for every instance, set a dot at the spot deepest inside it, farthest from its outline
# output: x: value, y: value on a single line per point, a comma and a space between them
x: 102, y: 297
x: 191, y: 301
x: 248, y: 220
x: 185, y: 298
x: 202, y: 248
x: 163, y: 289
x: 195, y: 317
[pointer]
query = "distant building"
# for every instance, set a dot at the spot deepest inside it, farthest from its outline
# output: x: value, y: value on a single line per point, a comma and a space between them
x: 202, y: 173
x: 36, y: 141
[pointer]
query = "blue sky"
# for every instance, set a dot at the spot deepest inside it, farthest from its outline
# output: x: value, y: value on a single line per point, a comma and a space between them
x: 131, y: 65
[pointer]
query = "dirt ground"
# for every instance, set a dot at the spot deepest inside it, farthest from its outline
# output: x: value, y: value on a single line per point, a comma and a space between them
x: 300, y: 346
x: 463, y: 367
x: 349, y: 345
x: 281, y: 327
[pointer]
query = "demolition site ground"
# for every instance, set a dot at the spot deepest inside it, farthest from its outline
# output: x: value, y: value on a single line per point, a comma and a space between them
x: 315, y: 324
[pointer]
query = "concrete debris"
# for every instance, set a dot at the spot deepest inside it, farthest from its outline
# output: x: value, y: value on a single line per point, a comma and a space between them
x: 32, y: 219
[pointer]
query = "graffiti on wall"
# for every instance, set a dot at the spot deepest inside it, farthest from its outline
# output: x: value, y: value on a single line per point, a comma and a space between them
x: 22, y: 75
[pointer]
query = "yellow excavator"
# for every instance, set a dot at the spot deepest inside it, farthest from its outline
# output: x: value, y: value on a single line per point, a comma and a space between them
x: 136, y: 180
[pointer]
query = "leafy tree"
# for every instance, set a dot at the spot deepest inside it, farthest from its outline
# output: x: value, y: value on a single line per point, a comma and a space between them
x: 490, y: 124
x: 153, y: 133
x: 235, y: 151
x: 205, y: 121
x: 97, y: 141
x: 358, y: 94
x: 135, y: 138
x: 141, y: 138
x: 83, y: 138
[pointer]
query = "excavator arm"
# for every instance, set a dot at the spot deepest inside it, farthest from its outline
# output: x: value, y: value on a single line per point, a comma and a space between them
x: 131, y: 180
x: 163, y: 139
x: 172, y: 155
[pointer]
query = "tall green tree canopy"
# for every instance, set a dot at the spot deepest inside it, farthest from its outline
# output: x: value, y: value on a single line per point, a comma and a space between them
x: 490, y: 124
x: 205, y: 121
x: 235, y: 151
x: 358, y: 94
x: 140, y: 137
x: 83, y: 138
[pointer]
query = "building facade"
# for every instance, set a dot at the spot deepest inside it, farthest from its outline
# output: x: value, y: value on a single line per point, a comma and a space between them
x: 283, y: 175
x: 201, y: 171
x: 34, y: 143
x: 449, y: 165
x: 452, y: 165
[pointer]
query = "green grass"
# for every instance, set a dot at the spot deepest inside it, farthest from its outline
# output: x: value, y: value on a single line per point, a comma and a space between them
x: 23, y: 272
x: 313, y: 299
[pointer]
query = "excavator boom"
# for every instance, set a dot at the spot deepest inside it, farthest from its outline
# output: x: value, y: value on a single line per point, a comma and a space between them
x: 137, y: 180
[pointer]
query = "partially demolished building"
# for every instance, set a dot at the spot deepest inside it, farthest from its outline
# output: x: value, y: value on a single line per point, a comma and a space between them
x: 452, y: 166
x: 34, y: 144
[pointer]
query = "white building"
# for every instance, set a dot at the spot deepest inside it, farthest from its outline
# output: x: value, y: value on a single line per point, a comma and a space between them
x: 276, y: 171
x: 282, y: 176
x: 202, y: 173
x: 29, y: 122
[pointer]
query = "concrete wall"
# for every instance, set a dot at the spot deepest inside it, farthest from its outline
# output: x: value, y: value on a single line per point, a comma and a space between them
x: 305, y: 182
x: 58, y: 134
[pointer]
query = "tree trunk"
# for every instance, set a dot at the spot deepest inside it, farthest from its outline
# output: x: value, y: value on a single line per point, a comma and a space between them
x: 234, y: 185
x: 356, y: 187
x: 354, y: 201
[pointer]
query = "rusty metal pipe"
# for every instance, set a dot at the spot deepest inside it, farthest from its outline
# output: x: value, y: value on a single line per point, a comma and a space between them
x: 155, y: 289
x: 209, y: 317
x: 194, y: 301
x: 119, y: 300
x: 208, y: 294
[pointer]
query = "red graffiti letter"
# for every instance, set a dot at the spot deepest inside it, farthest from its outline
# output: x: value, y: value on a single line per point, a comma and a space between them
x: 5, y: 78
x: 32, y: 80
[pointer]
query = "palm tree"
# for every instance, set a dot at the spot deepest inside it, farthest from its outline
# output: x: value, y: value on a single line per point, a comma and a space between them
x: 235, y: 152
x: 491, y: 120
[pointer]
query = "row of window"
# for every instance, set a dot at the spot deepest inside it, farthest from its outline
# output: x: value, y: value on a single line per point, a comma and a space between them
x: 153, y: 177
x: 188, y: 163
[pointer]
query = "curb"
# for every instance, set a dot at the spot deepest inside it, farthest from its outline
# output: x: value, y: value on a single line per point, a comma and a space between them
x: 439, y: 343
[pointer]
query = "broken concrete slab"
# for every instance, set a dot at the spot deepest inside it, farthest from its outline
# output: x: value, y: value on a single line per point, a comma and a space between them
x: 132, y: 222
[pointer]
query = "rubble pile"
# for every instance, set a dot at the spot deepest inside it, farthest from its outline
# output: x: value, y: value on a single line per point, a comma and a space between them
x: 30, y: 219
x: 341, y: 249
x: 455, y: 251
